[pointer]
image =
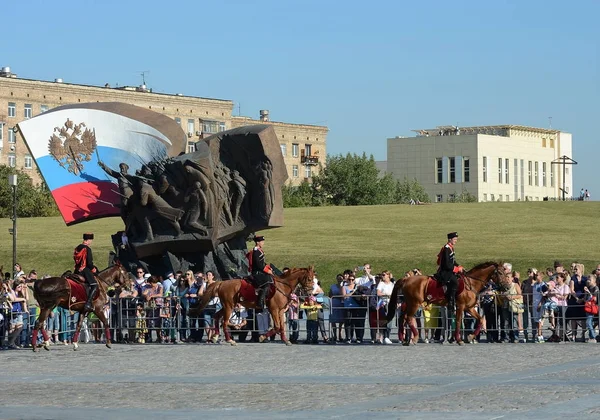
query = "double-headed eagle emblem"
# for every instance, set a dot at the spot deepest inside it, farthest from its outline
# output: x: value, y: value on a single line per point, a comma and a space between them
x: 71, y: 145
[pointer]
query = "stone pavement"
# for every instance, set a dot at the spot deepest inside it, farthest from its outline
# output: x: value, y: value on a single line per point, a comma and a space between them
x: 429, y: 381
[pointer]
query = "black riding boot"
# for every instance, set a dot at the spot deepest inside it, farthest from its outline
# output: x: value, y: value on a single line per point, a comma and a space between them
x: 451, y: 298
x: 260, y: 301
x: 89, y: 304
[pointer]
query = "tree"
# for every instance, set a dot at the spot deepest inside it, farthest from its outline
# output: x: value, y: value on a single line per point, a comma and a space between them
x: 464, y: 197
x: 32, y: 200
x: 297, y: 196
x: 352, y: 180
x: 408, y: 190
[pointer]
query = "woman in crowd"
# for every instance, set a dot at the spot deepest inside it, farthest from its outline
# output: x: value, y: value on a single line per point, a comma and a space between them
x: 336, y: 315
x: 153, y: 296
x: 127, y: 296
x: 575, y: 302
x: 182, y: 292
x: 559, y: 296
x: 16, y: 296
x: 352, y: 307
x: 384, y: 291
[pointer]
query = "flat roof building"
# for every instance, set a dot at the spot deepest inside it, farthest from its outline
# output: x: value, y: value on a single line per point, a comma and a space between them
x: 492, y: 163
x: 303, y: 146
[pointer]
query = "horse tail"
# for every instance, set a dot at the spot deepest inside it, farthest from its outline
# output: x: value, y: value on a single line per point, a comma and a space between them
x: 209, y: 293
x: 391, y: 312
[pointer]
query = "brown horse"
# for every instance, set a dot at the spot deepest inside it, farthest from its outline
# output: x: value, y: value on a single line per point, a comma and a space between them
x: 235, y: 291
x: 419, y: 289
x: 71, y: 294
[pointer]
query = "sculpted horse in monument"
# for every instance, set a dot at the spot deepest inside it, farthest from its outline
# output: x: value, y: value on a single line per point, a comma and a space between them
x: 241, y: 291
x: 419, y: 289
x: 70, y: 292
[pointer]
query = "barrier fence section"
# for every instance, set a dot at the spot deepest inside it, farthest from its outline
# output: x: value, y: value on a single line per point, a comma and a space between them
x: 166, y: 320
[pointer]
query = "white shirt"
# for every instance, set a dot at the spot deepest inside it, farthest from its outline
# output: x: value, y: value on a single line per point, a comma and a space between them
x: 386, y: 289
x: 367, y: 280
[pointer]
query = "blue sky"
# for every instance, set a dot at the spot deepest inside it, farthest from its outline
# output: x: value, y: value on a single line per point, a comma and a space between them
x: 367, y: 70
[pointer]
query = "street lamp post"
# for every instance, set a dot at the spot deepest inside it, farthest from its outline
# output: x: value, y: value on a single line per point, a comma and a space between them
x: 12, y: 181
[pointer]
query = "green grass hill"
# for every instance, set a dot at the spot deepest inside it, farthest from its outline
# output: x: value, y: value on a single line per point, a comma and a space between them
x: 394, y: 237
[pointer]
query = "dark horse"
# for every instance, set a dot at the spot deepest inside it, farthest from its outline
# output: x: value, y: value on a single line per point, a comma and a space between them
x: 235, y: 291
x: 71, y: 294
x: 419, y: 289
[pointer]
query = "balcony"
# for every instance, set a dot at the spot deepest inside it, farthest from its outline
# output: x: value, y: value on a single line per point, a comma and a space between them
x: 309, y: 160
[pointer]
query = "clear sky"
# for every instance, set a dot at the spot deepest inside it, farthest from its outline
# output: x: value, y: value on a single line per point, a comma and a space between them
x: 368, y: 70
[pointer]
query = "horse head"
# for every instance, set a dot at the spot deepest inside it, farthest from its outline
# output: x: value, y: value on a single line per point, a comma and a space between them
x: 304, y: 278
x: 489, y: 270
x: 116, y: 273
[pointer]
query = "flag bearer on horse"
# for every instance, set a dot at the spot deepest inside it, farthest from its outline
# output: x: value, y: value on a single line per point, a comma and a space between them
x: 448, y: 268
x: 261, y: 272
x: 84, y: 265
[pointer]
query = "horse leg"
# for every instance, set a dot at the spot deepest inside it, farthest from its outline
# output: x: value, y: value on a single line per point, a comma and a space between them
x: 474, y: 314
x: 282, y: 328
x: 226, y: 316
x: 411, y: 310
x: 77, y: 331
x: 39, y: 326
x: 217, y: 328
x: 460, y: 309
x: 100, y: 314
x: 401, y: 321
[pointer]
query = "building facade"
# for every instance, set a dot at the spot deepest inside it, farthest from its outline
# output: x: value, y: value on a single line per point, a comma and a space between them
x: 21, y: 99
x: 493, y: 163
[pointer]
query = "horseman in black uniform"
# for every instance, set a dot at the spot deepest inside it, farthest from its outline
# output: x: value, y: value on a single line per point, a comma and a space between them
x: 447, y: 269
x: 84, y: 265
x: 261, y: 272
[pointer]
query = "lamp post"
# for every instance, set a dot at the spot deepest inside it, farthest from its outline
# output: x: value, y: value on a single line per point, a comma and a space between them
x: 12, y: 181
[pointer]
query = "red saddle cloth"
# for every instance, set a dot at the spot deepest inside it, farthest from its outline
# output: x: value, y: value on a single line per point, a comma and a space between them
x: 248, y: 292
x: 434, y: 292
x: 78, y: 292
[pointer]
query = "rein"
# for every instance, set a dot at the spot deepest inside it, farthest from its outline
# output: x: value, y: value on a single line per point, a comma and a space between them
x: 287, y: 295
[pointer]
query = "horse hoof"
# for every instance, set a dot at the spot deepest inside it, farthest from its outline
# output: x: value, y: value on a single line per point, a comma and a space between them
x: 262, y: 339
x: 232, y: 342
x: 288, y: 343
x: 215, y: 339
x: 46, y: 346
x: 470, y: 338
x: 460, y: 342
x: 109, y: 345
x: 405, y: 343
x: 35, y: 349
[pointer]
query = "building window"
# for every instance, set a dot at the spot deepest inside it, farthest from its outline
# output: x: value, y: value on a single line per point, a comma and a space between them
x: 307, y: 150
x: 566, y: 171
x: 552, y: 143
x: 307, y: 171
x: 28, y: 162
x: 506, y: 177
x: 492, y: 197
x: 452, y: 169
x: 451, y: 198
x: 178, y: 121
x: 535, y: 174
x: 12, y: 161
x: 1, y: 134
x: 438, y: 170
x: 466, y: 170
x: 191, y: 126
x: 191, y: 148
x: 43, y: 108
x: 212, y: 127
x: 283, y: 148
x: 295, y: 171
x: 12, y: 109
x: 543, y: 142
x: 12, y: 137
x: 484, y: 169
x: 551, y: 175
x: 543, y: 174
x: 507, y: 197
x: 529, y: 173
x: 295, y: 149
x: 500, y: 170
x: 499, y: 197
x: 484, y: 197
x: 28, y: 111
x: 438, y: 198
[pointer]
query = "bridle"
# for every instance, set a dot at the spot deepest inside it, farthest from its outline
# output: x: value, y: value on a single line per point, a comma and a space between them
x: 469, y: 285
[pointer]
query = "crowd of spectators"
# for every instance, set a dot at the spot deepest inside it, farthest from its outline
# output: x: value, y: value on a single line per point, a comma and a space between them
x: 555, y: 304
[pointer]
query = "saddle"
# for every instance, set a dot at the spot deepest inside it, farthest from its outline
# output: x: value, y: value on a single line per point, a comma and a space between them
x: 77, y: 278
x: 248, y: 290
x: 435, y: 291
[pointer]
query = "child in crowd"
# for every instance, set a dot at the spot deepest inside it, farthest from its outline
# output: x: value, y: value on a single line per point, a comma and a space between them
x: 292, y: 318
x: 312, y: 319
x: 140, y: 323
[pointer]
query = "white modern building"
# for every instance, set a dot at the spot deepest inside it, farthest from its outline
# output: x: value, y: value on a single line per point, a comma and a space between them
x: 493, y: 163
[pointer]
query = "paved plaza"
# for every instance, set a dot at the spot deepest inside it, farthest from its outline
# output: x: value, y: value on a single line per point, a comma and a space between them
x: 430, y: 381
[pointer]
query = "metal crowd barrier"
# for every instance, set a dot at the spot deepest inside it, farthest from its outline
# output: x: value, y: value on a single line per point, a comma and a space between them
x: 165, y: 319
